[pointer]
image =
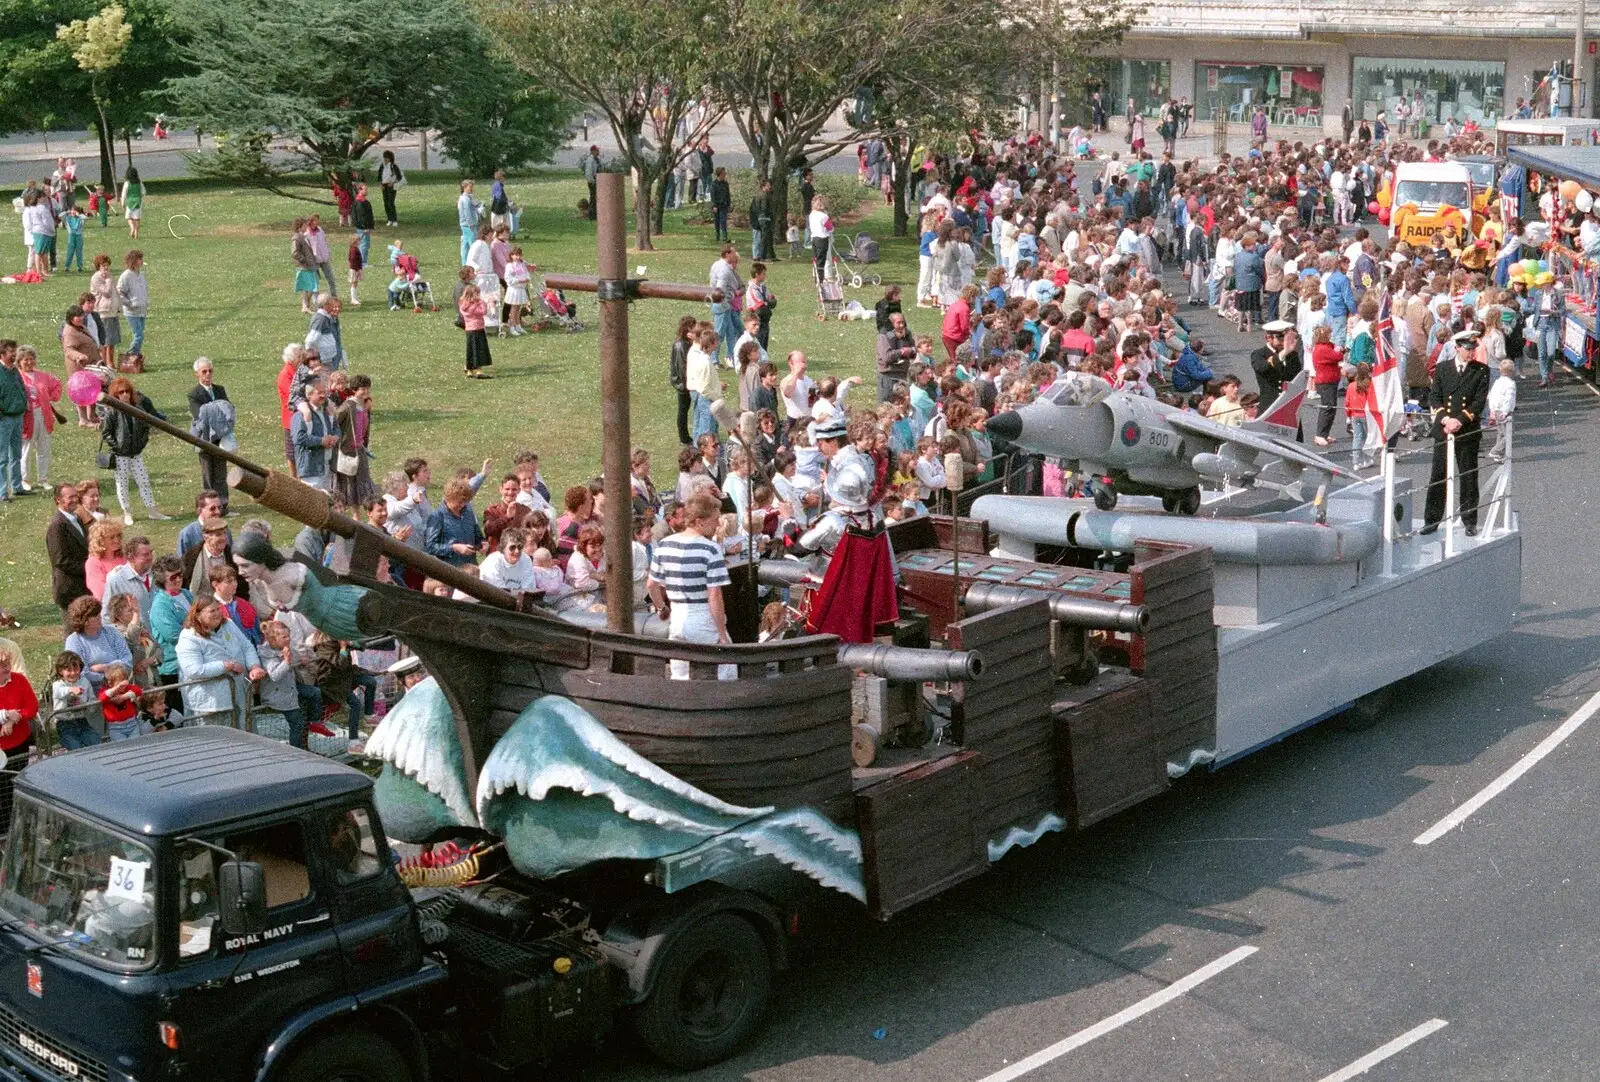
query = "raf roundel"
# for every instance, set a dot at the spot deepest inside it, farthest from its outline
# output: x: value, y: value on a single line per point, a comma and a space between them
x: 1130, y: 434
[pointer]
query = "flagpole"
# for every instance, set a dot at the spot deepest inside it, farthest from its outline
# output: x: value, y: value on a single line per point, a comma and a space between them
x: 1449, y: 495
x: 1388, y: 513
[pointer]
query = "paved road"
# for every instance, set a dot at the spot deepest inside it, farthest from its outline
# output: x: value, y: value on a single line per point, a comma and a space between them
x: 1304, y: 853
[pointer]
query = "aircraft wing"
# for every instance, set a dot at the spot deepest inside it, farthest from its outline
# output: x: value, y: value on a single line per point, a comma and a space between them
x: 1254, y: 443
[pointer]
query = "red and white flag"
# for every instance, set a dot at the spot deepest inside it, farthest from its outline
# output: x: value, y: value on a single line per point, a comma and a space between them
x: 1386, y: 407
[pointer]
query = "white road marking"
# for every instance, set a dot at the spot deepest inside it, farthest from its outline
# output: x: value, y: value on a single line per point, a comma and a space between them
x: 1394, y: 1047
x: 1121, y: 1018
x: 1504, y: 781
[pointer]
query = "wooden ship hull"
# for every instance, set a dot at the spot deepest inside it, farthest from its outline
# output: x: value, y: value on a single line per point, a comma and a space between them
x: 1026, y: 751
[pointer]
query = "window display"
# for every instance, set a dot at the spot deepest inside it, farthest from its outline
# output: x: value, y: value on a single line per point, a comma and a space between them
x: 1291, y: 95
x: 1147, y: 82
x: 1434, y: 90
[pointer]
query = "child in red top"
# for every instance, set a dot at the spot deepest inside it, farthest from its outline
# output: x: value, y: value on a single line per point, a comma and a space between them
x: 344, y: 197
x: 1359, y: 397
x: 119, y: 701
x: 356, y: 263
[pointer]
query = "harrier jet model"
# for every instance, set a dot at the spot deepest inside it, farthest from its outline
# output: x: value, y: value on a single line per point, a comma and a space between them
x: 1129, y: 443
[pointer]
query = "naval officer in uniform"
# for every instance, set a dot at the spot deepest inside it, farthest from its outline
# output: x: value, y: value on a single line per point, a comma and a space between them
x: 1460, y: 395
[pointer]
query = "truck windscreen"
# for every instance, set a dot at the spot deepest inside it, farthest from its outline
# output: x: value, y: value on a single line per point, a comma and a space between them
x: 72, y: 884
x: 1431, y: 193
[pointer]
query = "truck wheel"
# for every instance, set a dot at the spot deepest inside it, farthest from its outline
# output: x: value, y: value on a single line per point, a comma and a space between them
x: 710, y: 994
x: 347, y: 1056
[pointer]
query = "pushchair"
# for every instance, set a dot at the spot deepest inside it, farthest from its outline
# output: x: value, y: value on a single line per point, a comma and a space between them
x: 863, y: 250
x: 409, y: 287
x: 830, y: 298
x: 556, y: 311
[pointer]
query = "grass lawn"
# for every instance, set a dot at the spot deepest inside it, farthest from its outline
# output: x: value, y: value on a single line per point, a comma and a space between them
x: 223, y: 291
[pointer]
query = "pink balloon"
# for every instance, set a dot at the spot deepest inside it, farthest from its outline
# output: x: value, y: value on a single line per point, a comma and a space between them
x: 1372, y: 207
x: 84, y: 388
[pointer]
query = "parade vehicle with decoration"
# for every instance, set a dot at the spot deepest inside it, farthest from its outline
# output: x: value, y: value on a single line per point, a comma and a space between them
x: 1429, y: 197
x: 1562, y: 185
x: 1550, y: 131
x: 560, y: 838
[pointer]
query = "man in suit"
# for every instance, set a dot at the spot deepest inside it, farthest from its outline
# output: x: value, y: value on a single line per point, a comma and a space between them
x: 213, y: 470
x: 68, y: 545
x: 1460, y: 395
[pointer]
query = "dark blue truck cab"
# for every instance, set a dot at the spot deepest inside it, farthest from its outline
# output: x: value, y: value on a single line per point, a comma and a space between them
x: 209, y: 904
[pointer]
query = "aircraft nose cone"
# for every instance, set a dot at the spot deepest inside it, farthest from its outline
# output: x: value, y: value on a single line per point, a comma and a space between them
x: 1007, y: 426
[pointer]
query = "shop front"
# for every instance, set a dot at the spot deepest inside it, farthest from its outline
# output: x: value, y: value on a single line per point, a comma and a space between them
x: 1291, y: 95
x: 1435, y: 90
x: 1147, y: 82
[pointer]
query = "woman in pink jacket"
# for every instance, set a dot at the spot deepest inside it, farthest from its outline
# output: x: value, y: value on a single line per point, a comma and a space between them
x: 473, y: 308
x: 40, y: 419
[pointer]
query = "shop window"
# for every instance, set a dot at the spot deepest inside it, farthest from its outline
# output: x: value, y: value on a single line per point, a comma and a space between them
x: 1434, y: 90
x: 1147, y: 82
x: 1290, y: 95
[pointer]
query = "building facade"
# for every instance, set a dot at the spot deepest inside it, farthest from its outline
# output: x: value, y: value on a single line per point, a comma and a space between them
x: 1303, y: 61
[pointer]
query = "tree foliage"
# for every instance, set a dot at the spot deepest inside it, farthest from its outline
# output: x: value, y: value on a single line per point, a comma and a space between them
x: 639, y: 63
x: 343, y: 76
x: 503, y: 120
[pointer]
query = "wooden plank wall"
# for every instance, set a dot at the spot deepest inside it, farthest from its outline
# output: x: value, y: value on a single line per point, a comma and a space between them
x: 1005, y: 716
x: 1180, y: 646
x: 782, y: 740
x: 1109, y: 757
x: 919, y: 832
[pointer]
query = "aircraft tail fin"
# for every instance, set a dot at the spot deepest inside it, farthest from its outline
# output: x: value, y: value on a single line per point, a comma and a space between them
x: 1282, y: 418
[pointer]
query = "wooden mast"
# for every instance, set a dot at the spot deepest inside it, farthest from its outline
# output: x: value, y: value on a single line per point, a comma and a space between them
x: 615, y: 289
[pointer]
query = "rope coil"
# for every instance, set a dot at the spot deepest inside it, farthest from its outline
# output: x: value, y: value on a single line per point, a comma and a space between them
x: 296, y: 499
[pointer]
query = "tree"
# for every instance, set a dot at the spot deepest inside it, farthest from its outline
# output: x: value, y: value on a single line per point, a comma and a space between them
x: 343, y: 77
x: 98, y: 44
x: 798, y: 64
x: 504, y: 120
x: 638, y: 62
x: 41, y: 83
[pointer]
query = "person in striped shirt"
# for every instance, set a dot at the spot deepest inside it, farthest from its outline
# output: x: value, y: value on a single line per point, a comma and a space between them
x: 687, y: 574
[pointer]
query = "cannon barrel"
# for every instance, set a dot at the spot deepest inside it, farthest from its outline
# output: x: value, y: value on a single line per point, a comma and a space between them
x: 1084, y: 612
x: 782, y: 573
x: 299, y: 501
x: 911, y: 663
x: 1081, y: 612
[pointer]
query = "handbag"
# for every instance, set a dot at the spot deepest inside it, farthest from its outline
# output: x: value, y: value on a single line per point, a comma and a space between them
x: 347, y: 465
x: 104, y: 459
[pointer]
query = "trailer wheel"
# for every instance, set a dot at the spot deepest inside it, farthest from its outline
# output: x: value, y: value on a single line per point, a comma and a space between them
x: 710, y: 994
x: 347, y: 1056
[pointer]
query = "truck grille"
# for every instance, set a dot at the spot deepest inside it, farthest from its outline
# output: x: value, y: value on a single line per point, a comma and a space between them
x: 46, y: 1054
